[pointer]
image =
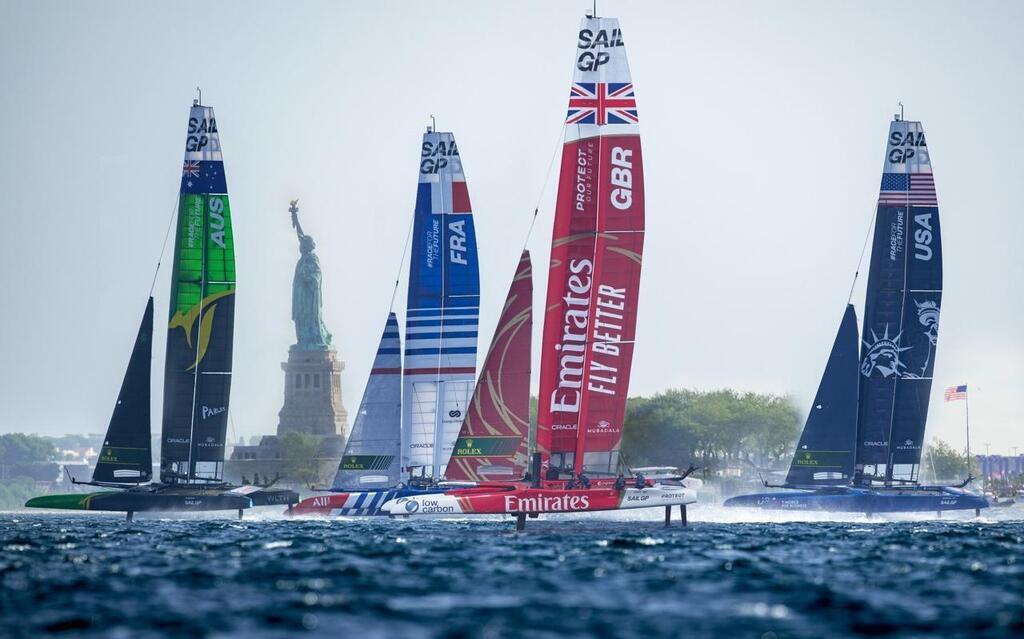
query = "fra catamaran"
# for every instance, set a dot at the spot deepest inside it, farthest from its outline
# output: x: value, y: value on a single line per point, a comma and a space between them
x: 410, y: 415
x: 860, y: 450
x: 591, y: 306
x: 197, y: 375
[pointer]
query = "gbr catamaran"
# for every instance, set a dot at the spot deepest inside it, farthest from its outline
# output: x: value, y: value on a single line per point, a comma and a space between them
x: 591, y: 306
x: 860, y: 450
x: 197, y: 374
x: 411, y: 412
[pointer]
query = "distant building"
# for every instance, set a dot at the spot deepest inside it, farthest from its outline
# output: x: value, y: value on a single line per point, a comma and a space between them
x: 1001, y: 466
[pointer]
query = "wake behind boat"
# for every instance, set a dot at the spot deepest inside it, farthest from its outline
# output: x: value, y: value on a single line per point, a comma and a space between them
x: 197, y: 375
x: 590, y: 311
x: 860, y: 450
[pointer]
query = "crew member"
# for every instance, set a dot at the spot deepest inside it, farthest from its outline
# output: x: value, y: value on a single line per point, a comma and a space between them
x: 571, y: 484
x: 584, y: 481
x: 641, y: 481
x: 620, y: 483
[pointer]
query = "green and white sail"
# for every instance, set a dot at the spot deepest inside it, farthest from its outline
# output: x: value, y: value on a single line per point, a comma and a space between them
x: 197, y: 376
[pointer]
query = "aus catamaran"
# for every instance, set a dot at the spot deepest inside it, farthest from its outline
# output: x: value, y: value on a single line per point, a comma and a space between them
x: 411, y: 412
x: 197, y: 374
x: 590, y: 310
x: 860, y: 450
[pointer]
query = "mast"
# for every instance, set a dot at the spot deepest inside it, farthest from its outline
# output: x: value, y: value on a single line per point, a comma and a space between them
x: 127, y: 454
x: 197, y: 374
x: 596, y: 254
x: 901, y: 311
x: 371, y: 457
x: 492, y: 444
x: 443, y: 309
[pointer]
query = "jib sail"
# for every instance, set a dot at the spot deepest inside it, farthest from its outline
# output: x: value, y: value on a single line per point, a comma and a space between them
x: 825, y: 452
x: 596, y: 253
x: 442, y: 312
x: 901, y: 311
x: 197, y: 378
x: 492, y: 444
x: 127, y: 454
x: 371, y: 457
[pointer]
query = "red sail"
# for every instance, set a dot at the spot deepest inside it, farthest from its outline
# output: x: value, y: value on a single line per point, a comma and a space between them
x: 492, y: 442
x: 596, y: 253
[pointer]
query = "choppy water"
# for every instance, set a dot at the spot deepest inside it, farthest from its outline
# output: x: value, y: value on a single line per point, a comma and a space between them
x: 96, y: 575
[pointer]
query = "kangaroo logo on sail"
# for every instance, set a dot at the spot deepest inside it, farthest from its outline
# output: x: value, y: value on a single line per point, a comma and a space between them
x: 437, y: 156
x: 199, y: 132
x: 903, y: 145
x: 592, y: 57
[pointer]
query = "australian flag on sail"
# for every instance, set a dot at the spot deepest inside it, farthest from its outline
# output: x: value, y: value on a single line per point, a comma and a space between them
x: 908, y: 189
x: 602, y: 103
x: 202, y: 176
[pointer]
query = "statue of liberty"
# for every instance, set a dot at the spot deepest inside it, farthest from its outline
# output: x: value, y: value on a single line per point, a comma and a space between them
x: 307, y: 297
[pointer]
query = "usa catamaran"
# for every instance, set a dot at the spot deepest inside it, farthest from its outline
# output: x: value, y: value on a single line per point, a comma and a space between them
x: 410, y: 415
x: 197, y: 375
x: 590, y: 311
x: 860, y: 450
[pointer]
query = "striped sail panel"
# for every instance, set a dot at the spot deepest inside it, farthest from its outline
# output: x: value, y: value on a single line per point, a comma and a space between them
x: 596, y: 254
x: 127, y: 454
x: 901, y: 310
x: 492, y: 444
x: 371, y: 457
x: 443, y: 308
x: 197, y: 374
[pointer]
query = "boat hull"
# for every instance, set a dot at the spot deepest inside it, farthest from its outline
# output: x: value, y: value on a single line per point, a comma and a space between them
x: 864, y: 500
x: 167, y: 499
x: 522, y: 498
x: 355, y: 504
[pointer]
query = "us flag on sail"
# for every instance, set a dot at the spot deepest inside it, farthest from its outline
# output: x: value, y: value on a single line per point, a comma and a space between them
x: 908, y: 189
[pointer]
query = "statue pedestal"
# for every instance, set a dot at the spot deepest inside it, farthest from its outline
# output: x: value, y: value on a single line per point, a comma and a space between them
x: 312, y: 394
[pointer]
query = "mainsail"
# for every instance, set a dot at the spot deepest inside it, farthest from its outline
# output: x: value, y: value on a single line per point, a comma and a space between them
x: 127, y: 454
x: 825, y: 452
x: 442, y: 312
x: 901, y: 311
x: 197, y: 377
x: 492, y: 444
x: 596, y: 252
x: 371, y: 457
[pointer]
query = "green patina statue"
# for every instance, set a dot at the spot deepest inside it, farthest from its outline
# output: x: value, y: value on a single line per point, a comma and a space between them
x: 307, y: 298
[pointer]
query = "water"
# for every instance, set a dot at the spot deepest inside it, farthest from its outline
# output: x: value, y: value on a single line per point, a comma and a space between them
x: 726, y: 575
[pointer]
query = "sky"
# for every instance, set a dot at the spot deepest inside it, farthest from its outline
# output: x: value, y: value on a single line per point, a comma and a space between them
x: 763, y: 125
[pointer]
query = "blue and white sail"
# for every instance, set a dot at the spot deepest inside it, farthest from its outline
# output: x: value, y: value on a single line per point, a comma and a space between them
x: 371, y: 457
x: 442, y: 312
x: 825, y: 453
x: 901, y: 311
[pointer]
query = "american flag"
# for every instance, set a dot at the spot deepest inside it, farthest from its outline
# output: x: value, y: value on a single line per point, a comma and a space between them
x: 602, y: 103
x: 908, y: 189
x: 956, y: 393
x: 190, y: 169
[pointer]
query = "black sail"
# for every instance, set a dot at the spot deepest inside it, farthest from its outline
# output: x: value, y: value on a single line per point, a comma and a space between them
x: 127, y: 455
x: 825, y: 452
x: 901, y: 312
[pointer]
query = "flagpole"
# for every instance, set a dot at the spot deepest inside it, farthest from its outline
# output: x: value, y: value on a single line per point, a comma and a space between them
x: 967, y: 422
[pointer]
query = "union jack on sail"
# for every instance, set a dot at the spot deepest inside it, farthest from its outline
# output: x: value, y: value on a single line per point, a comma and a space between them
x: 602, y: 103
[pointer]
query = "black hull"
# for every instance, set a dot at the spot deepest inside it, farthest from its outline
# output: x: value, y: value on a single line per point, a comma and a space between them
x: 164, y: 498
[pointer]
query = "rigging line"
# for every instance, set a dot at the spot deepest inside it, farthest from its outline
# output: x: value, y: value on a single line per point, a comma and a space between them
x: 559, y: 142
x: 863, y: 250
x: 163, y: 248
x: 401, y: 262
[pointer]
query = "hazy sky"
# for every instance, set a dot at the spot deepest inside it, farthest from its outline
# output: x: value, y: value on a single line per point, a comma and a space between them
x: 763, y: 126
